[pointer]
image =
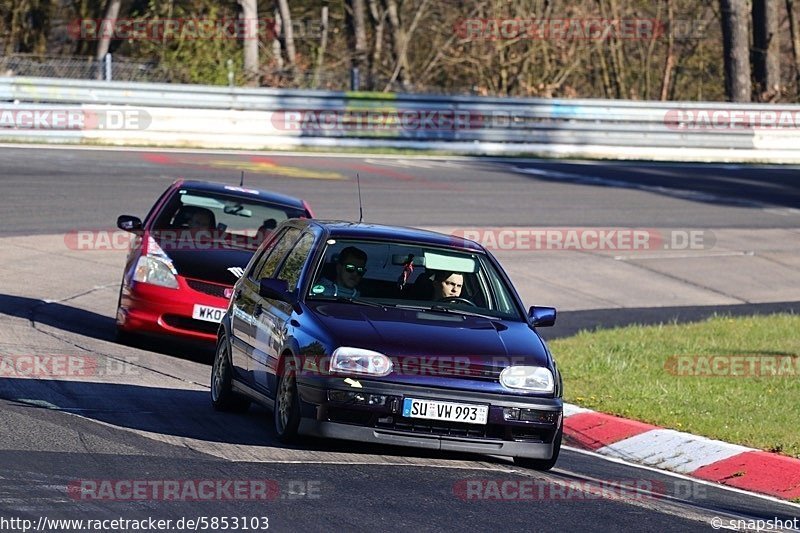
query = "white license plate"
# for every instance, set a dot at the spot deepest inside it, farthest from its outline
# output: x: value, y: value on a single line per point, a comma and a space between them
x: 454, y: 412
x: 209, y: 314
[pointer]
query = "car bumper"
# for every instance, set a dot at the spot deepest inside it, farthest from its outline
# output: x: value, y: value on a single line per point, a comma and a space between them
x: 383, y: 423
x: 150, y: 309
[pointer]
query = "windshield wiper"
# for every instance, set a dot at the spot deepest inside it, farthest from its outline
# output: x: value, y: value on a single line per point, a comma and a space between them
x: 448, y: 310
x: 350, y: 300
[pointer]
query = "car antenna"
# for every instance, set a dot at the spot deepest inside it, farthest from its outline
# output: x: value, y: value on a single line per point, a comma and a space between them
x: 360, y: 205
x: 241, y: 180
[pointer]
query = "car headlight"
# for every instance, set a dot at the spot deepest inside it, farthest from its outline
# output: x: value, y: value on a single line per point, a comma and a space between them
x: 156, y: 272
x: 346, y: 360
x: 529, y: 378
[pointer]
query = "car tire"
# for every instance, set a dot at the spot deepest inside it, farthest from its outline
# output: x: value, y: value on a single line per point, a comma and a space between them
x: 222, y: 396
x: 286, y: 414
x: 542, y: 464
x: 120, y: 335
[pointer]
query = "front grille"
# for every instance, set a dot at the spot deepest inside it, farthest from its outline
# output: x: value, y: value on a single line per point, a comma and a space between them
x: 530, y: 434
x: 209, y: 288
x: 448, y: 367
x: 482, y: 372
x: 182, y: 322
x: 350, y: 416
x: 440, y: 428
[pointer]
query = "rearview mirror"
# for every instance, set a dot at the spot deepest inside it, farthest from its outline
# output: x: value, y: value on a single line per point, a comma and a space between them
x: 542, y: 317
x: 275, y: 289
x: 129, y: 223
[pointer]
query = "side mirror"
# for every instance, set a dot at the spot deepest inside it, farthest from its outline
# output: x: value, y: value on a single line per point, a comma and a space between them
x: 542, y: 317
x: 129, y: 223
x: 275, y: 289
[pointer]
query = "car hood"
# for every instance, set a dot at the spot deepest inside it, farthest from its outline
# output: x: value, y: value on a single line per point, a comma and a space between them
x: 405, y: 332
x: 223, y: 266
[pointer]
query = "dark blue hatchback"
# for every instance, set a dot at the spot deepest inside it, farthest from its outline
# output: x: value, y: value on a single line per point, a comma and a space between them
x: 389, y: 335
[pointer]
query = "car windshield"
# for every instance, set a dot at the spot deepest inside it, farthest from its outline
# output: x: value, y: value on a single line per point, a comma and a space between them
x: 224, y: 216
x: 435, y: 279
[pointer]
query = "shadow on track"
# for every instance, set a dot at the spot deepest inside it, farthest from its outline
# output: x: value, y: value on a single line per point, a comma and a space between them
x: 183, y: 413
x: 731, y: 185
x: 90, y: 324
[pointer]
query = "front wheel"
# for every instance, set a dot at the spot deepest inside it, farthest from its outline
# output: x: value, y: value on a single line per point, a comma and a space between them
x: 543, y: 464
x: 287, y: 404
x: 222, y: 396
x: 120, y: 335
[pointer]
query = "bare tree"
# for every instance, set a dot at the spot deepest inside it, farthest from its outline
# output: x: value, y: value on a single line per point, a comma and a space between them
x: 766, y: 61
x: 107, y: 28
x: 398, y: 44
x: 249, y: 16
x: 25, y: 25
x: 358, y: 23
x: 276, y: 42
x: 736, y: 50
x: 669, y: 61
x: 323, y: 44
x: 378, y: 16
x: 287, y: 34
x: 794, y: 33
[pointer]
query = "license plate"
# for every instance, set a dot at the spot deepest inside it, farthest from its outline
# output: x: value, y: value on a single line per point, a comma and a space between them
x: 453, y: 412
x: 209, y: 314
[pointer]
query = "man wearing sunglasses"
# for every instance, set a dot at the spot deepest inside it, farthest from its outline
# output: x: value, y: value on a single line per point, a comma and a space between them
x: 350, y: 268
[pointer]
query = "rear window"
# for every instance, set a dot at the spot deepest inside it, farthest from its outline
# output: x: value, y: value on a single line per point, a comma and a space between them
x: 231, y: 214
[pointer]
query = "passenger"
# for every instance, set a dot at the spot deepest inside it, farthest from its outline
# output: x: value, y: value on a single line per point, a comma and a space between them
x: 265, y: 230
x: 447, y: 285
x: 193, y: 217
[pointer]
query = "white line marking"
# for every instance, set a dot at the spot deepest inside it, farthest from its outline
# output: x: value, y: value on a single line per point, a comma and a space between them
x: 696, y: 255
x: 673, y: 450
x: 720, y: 486
x: 570, y: 410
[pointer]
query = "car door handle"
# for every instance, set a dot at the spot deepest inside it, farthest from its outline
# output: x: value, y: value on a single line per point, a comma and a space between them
x: 258, y: 310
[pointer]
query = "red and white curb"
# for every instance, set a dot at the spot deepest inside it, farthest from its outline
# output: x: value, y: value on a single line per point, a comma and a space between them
x: 700, y: 457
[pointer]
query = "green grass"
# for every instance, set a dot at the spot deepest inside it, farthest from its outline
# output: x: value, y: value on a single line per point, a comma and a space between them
x: 630, y: 372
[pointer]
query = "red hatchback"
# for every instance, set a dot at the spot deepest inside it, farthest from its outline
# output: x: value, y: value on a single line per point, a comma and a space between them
x: 189, y: 251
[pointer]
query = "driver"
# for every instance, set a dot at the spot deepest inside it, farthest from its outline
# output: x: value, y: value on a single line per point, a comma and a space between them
x: 350, y: 268
x: 447, y: 285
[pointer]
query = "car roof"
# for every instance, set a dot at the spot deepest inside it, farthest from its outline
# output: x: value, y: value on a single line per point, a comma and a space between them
x: 363, y: 230
x: 241, y: 192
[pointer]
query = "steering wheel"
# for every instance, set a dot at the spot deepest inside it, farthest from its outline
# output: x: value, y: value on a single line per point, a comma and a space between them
x: 458, y: 299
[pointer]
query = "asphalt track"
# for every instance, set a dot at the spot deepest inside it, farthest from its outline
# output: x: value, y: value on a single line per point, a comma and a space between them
x: 150, y: 418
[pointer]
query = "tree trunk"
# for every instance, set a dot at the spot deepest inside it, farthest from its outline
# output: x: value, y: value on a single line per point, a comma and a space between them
x: 288, y: 33
x: 250, y: 40
x: 323, y: 44
x: 358, y: 19
x: 618, y: 64
x: 398, y: 44
x: 766, y: 62
x: 276, y: 41
x: 794, y: 31
x: 736, y: 50
x: 107, y: 27
x: 669, y: 62
x: 378, y: 16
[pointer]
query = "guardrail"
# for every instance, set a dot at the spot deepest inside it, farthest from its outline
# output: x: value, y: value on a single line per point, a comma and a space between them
x: 222, y: 117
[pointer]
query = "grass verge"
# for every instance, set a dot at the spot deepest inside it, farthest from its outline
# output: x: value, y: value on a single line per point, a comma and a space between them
x: 732, y: 379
